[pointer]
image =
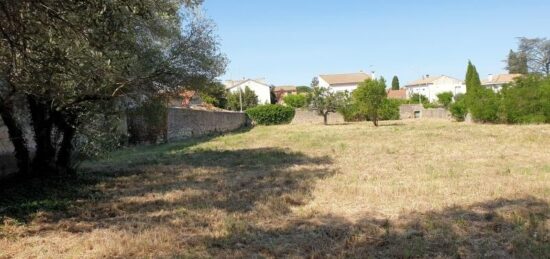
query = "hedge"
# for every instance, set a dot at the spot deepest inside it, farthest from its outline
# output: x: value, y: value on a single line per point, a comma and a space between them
x: 271, y: 114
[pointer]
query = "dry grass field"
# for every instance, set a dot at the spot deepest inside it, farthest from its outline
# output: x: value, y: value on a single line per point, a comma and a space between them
x: 406, y: 189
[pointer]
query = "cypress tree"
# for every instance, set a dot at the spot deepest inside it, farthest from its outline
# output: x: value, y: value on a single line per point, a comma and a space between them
x: 395, y: 83
x: 481, y: 102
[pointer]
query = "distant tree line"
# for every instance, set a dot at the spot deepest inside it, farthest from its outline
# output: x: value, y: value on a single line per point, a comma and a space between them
x: 526, y: 100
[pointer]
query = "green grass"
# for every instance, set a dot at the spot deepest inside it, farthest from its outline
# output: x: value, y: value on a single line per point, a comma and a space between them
x: 406, y: 190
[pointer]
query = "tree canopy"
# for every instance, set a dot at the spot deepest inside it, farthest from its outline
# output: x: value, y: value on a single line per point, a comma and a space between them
x: 517, y: 63
x: 70, y: 59
x: 537, y: 53
x: 324, y: 101
x: 370, y: 95
x: 395, y: 83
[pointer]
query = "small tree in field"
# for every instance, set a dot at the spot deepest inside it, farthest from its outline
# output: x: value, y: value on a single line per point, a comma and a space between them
x: 370, y: 96
x: 324, y: 102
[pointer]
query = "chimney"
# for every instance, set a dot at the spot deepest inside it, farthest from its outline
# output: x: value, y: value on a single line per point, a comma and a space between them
x: 427, y: 76
x: 491, y: 77
x: 373, y: 75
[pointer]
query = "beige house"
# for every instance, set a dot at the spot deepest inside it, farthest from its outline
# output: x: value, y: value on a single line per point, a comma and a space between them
x: 431, y: 86
x: 496, y: 82
x: 343, y: 82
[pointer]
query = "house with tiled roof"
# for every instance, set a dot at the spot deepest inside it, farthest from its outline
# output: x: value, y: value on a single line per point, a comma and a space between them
x: 431, y: 86
x: 343, y: 82
x: 400, y: 94
x: 284, y: 90
x: 496, y: 82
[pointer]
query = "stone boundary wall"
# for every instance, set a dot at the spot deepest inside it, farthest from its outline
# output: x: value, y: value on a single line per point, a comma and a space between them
x: 417, y: 111
x: 311, y: 117
x: 436, y: 113
x: 186, y: 123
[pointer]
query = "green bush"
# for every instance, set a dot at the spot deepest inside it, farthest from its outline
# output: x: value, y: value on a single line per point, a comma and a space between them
x: 445, y: 98
x: 352, y: 113
x: 526, y: 101
x: 485, y: 106
x: 271, y: 114
x: 458, y: 109
x: 390, y: 109
x: 418, y: 98
x: 248, y: 97
x: 295, y: 100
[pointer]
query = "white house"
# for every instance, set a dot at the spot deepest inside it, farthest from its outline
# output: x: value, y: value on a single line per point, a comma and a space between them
x: 259, y: 86
x: 432, y: 86
x: 343, y: 82
x: 496, y: 82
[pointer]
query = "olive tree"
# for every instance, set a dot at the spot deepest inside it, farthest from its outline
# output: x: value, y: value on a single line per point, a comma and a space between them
x: 324, y: 102
x: 68, y: 60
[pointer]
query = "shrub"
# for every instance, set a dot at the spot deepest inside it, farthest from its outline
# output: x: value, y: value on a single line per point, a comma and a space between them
x: 445, y: 99
x: 458, y: 109
x: 390, y: 109
x: 352, y: 113
x: 248, y: 96
x: 295, y: 100
x: 416, y: 98
x: 526, y: 101
x: 485, y: 105
x: 271, y: 114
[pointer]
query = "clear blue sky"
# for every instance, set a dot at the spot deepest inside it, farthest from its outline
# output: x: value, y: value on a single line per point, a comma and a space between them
x: 291, y: 41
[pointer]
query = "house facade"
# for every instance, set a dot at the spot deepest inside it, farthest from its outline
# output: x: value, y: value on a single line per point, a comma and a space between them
x: 432, y: 86
x: 343, y: 82
x: 496, y: 82
x: 259, y: 86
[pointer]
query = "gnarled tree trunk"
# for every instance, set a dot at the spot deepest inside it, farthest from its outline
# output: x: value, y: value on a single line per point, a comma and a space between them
x: 42, y: 124
x: 17, y: 137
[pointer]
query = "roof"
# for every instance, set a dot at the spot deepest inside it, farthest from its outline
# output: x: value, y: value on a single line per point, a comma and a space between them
x: 286, y: 88
x: 500, y: 79
x: 339, y: 79
x: 234, y: 84
x: 397, y: 94
x: 428, y: 80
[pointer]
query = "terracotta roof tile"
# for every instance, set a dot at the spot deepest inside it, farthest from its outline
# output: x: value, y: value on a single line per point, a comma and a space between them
x: 501, y: 79
x: 353, y: 78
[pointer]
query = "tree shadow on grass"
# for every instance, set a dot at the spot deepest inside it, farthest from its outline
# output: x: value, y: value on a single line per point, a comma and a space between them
x: 235, y: 181
x: 494, y: 229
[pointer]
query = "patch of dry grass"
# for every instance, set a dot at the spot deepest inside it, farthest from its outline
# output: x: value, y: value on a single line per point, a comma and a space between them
x: 407, y: 189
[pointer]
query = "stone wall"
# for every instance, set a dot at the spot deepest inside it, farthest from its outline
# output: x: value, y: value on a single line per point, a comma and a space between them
x: 311, y: 117
x: 417, y: 111
x: 436, y: 113
x: 410, y: 111
x: 186, y: 123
